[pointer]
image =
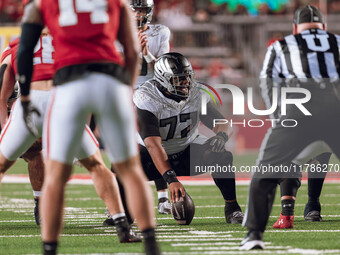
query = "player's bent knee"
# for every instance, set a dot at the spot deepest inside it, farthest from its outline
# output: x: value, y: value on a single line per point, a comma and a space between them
x: 33, y: 151
x: 4, y: 163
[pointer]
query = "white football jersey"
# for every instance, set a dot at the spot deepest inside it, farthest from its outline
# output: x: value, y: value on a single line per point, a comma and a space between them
x: 178, y: 122
x: 158, y: 44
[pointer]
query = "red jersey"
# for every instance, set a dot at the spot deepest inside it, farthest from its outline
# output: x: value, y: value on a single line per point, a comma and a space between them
x: 9, y: 49
x: 43, y: 58
x: 83, y: 31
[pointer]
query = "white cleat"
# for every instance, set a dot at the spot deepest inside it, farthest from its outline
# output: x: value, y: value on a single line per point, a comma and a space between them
x: 164, y: 206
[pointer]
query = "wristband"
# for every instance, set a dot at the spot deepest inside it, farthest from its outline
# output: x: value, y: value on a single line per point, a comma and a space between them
x: 149, y: 58
x: 170, y: 176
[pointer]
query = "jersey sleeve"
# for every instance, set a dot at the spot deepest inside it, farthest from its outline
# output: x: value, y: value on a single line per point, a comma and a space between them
x: 6, y: 53
x: 148, y: 124
x: 8, y: 50
x: 145, y: 100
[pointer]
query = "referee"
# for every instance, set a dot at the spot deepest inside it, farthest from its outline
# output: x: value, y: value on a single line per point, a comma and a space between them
x: 309, y: 58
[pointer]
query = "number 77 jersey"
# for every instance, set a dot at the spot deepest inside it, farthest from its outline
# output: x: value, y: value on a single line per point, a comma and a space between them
x: 83, y: 31
x: 177, y: 121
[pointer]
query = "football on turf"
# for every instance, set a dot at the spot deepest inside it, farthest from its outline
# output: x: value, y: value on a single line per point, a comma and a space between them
x: 183, y: 211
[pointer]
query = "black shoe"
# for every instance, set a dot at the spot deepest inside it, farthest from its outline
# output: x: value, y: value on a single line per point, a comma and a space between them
x: 125, y: 232
x: 233, y: 213
x: 108, y: 222
x: 252, y: 241
x: 313, y: 216
x: 235, y: 217
x: 36, y: 211
x: 312, y: 211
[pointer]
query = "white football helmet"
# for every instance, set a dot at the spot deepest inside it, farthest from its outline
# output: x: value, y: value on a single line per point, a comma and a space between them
x: 146, y: 16
x: 174, y: 72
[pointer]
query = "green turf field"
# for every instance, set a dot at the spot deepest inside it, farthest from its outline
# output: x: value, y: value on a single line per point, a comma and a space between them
x: 207, y: 234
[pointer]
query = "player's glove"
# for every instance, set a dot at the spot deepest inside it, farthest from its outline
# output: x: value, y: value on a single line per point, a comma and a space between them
x: 217, y: 142
x: 28, y: 110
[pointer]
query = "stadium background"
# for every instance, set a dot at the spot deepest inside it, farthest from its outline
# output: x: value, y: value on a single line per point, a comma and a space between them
x: 225, y: 40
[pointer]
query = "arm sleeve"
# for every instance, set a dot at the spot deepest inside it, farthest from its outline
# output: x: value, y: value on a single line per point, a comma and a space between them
x: 212, y: 113
x: 29, y: 37
x: 148, y: 124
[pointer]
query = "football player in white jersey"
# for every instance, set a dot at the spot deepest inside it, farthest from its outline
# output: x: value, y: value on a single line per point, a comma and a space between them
x: 168, y: 109
x: 154, y: 38
x: 154, y: 41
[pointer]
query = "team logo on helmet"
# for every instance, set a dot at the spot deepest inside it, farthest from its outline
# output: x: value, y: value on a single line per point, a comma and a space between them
x: 174, y: 72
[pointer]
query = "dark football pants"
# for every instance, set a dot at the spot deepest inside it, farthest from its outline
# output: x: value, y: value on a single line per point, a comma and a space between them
x: 281, y: 145
x: 315, y: 179
x: 185, y: 161
x: 182, y: 162
x: 289, y: 187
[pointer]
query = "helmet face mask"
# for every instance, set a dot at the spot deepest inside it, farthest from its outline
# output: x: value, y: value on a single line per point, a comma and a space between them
x: 144, y: 10
x: 174, y: 72
x: 181, y: 85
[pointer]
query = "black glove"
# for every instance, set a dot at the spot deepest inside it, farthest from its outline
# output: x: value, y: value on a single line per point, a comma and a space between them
x: 217, y: 142
x: 28, y: 110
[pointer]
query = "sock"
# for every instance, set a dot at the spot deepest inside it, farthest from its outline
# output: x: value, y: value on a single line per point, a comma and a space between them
x: 288, y: 207
x: 231, y: 207
x: 36, y: 201
x: 36, y: 193
x: 162, y: 194
x: 227, y: 187
x: 150, y: 243
x: 118, y: 215
x: 50, y: 248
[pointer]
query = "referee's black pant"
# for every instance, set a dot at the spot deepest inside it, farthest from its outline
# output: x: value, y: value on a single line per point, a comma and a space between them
x: 282, y: 144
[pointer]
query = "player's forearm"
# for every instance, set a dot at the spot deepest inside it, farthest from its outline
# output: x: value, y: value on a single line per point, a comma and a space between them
x: 158, y: 155
x: 29, y: 37
x: 223, y: 128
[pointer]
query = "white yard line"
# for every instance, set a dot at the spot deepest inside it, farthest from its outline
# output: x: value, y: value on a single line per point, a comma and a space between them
x: 14, y: 178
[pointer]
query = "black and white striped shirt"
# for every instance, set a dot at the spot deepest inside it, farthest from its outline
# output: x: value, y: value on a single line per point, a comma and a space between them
x: 311, y: 54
